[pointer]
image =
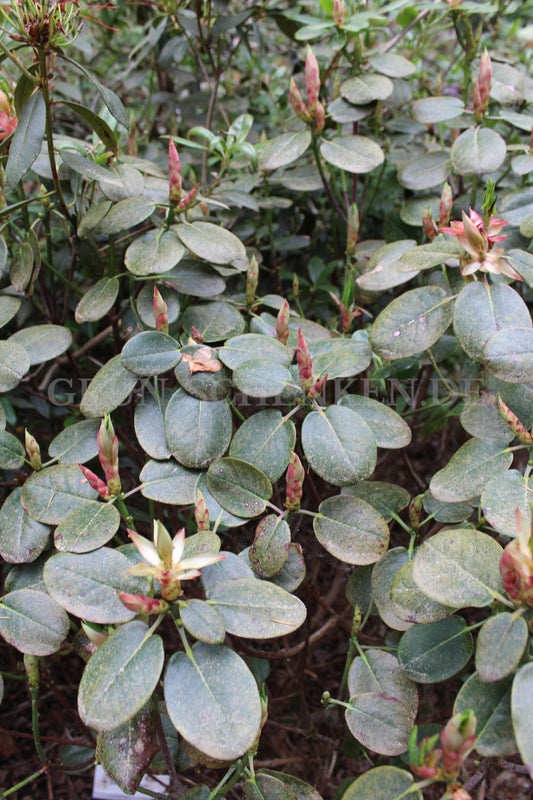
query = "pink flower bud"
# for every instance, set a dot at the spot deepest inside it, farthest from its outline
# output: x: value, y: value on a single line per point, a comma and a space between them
x: 305, y: 363
x: 143, y: 605
x: 320, y: 117
x: 196, y: 336
x: 33, y: 450
x: 160, y: 312
x: 318, y: 387
x: 252, y: 279
x: 338, y: 14
x: 188, y: 199
x: 428, y: 224
x: 201, y: 513
x: 457, y: 741
x: 312, y: 79
x: 445, y: 207
x: 485, y: 78
x: 352, y: 230
x: 282, y: 323
x: 514, y: 423
x: 95, y: 482
x: 174, y: 173
x: 298, y: 105
x: 108, y: 454
x: 294, y: 478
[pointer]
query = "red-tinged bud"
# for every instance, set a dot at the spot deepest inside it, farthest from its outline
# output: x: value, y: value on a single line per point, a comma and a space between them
x: 94, y: 633
x: 352, y: 230
x: 294, y: 479
x: 456, y: 792
x: 108, y: 454
x: 196, y: 336
x: 445, y: 207
x: 318, y: 387
x: 312, y: 79
x: 188, y: 199
x: 252, y: 279
x: 415, y: 511
x: 33, y: 450
x: 295, y: 285
x: 160, y: 312
x: 174, y: 173
x: 132, y: 144
x: 514, y: 423
x: 428, y: 224
x: 424, y: 757
x: 282, y: 323
x: 485, y: 78
x: 457, y: 741
x: 5, y: 105
x: 477, y: 103
x: 305, y: 363
x: 320, y: 117
x: 338, y: 14
x: 516, y: 564
x: 201, y: 513
x: 298, y: 105
x: 95, y: 482
x: 140, y: 604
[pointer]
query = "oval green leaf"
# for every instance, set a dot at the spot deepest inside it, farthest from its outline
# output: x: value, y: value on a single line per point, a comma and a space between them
x: 478, y: 150
x: 96, y: 302
x: 197, y: 431
x: 14, y: 364
x: 436, y: 651
x: 239, y: 487
x: 357, y: 154
x: 153, y: 253
x: 265, y: 440
x: 351, y: 530
x: 491, y: 704
x: 509, y: 355
x: 284, y: 149
x: 212, y: 243
x: 43, y: 342
x: 500, y: 645
x: 87, y: 528
x: 32, y: 622
x: 51, y: 494
x: 470, y: 469
x: 22, y: 539
x: 110, y: 387
x: 150, y: 353
x: 389, y: 429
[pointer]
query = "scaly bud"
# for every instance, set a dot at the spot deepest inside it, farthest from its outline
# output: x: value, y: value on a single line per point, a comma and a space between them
x: 174, y: 173
x: 140, y: 604
x: 338, y: 15
x: 94, y: 632
x: 424, y: 757
x: 457, y: 741
x: 445, y: 207
x: 352, y: 230
x: 188, y: 199
x: 305, y: 363
x: 298, y: 105
x: 108, y: 454
x: 295, y: 285
x: 415, y: 511
x: 282, y: 323
x: 428, y: 224
x: 312, y: 79
x: 477, y: 104
x: 33, y: 450
x: 294, y: 479
x: 485, y: 78
x: 160, y: 312
x: 201, y: 513
x: 252, y: 279
x: 196, y: 336
x: 95, y: 482
x: 318, y: 387
x: 320, y: 117
x: 516, y: 564
x: 514, y: 423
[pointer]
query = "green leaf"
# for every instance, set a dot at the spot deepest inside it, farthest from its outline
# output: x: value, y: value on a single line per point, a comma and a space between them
x: 213, y: 243
x: 150, y: 426
x: 94, y: 215
x: 249, y: 346
x: 215, y: 321
x: 502, y: 497
x: 470, y: 469
x: 425, y: 171
x: 27, y: 139
x: 32, y: 622
x: 22, y: 539
x: 197, y: 431
x: 379, y: 722
x: 491, y: 704
x: 153, y: 253
x: 356, y: 154
x: 168, y: 482
x: 482, y: 310
x: 270, y: 549
x: 76, y: 444
x: 98, y: 125
x: 195, y: 278
x: 339, y: 358
x: 387, y: 498
x: 478, y: 150
x: 12, y: 452
x: 126, y: 214
x: 284, y: 149
x: 383, y: 574
x: 409, y: 603
x: 301, y: 790
x: 389, y: 429
x: 126, y: 751
x: 430, y: 110
x: 51, y: 494
x: 150, y: 353
x: 96, y: 302
x: 500, y: 645
x: 216, y: 512
x: 110, y: 98
x: 260, y: 378
x: 14, y: 364
x: 522, y: 261
x: 205, y: 385
x: 436, y: 651
x: 43, y: 342
x: 383, y: 783
x: 481, y: 418
x: 383, y: 269
x: 381, y: 672
x: 366, y: 88
x: 459, y: 567
x: 265, y: 440
x: 219, y: 711
x: 522, y: 711
x: 411, y: 323
x: 446, y: 512
x: 120, y: 677
x: 239, y: 487
x: 202, y: 621
x: 393, y: 65
x: 339, y: 445
x: 509, y: 355
x: 110, y: 387
x: 87, y: 528
x: 8, y: 308
x: 351, y: 530
x: 256, y: 609
x: 426, y: 256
